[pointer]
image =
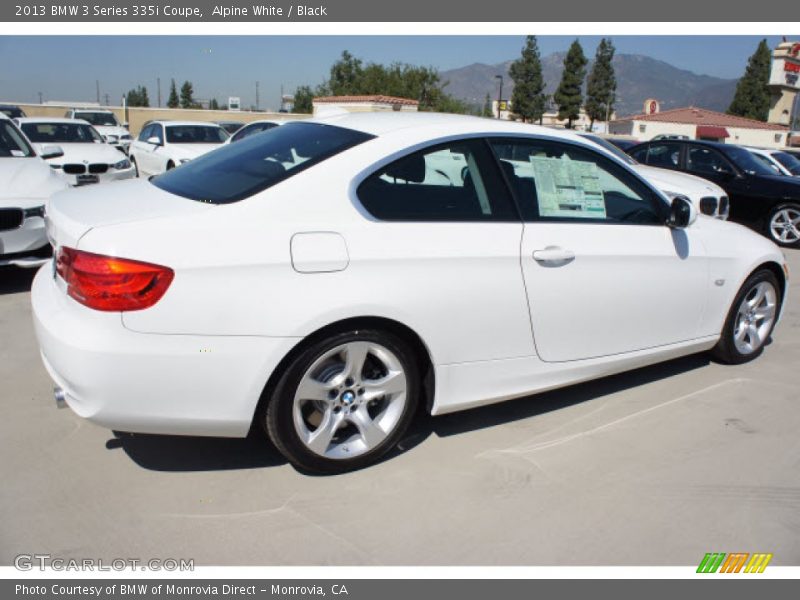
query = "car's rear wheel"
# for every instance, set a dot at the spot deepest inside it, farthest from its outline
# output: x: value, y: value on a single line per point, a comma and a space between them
x: 751, y: 319
x: 783, y: 225
x: 344, y: 401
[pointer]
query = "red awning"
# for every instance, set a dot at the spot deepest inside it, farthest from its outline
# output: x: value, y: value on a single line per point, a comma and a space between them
x: 709, y: 131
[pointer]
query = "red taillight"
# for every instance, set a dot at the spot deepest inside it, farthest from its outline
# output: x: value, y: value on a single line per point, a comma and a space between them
x: 109, y: 283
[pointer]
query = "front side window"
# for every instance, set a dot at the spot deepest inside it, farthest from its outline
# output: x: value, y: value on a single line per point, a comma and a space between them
x: 559, y: 181
x: 12, y: 143
x: 666, y: 155
x: 791, y: 163
x: 61, y: 133
x: 195, y: 134
x: 145, y: 133
x: 237, y: 171
x: 452, y: 182
x: 745, y: 160
x: 707, y: 161
x: 768, y: 163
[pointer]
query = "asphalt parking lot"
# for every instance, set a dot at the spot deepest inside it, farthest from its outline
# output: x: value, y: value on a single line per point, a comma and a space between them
x: 652, y: 467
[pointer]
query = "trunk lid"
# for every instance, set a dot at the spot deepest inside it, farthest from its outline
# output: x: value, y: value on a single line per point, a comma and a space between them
x: 71, y: 214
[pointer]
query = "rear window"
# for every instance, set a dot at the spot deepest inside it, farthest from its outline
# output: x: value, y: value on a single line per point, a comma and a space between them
x: 97, y: 118
x: 237, y: 171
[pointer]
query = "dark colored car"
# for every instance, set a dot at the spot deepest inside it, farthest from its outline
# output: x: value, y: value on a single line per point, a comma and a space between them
x: 12, y: 112
x: 793, y: 151
x: 622, y: 143
x: 759, y: 199
x: 230, y: 126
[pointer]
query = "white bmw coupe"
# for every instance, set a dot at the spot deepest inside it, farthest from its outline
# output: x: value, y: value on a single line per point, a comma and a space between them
x: 326, y: 278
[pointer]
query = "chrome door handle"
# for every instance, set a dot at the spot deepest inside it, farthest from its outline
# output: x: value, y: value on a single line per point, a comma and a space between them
x: 553, y: 254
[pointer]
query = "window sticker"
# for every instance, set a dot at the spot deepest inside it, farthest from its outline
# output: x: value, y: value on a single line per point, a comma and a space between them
x: 568, y: 188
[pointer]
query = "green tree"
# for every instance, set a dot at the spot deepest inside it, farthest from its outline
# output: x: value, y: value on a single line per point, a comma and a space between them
x: 187, y: 95
x: 303, y: 100
x: 137, y: 97
x: 569, y: 95
x: 213, y: 104
x: 173, y: 101
x: 601, y: 87
x: 752, y: 97
x: 528, y: 95
x: 346, y: 75
x: 487, y: 107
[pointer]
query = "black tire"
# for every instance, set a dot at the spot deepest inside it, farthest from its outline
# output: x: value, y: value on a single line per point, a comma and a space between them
x: 792, y: 208
x: 170, y: 165
x: 278, y: 415
x: 726, y: 351
x: 135, y: 166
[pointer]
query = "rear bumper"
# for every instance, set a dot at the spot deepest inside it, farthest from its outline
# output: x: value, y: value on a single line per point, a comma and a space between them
x: 150, y: 383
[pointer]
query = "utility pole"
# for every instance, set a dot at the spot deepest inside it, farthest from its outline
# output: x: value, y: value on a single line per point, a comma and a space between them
x: 106, y: 97
x: 158, y: 85
x: 256, y: 95
x: 40, y: 97
x: 97, y: 84
x: 499, y: 94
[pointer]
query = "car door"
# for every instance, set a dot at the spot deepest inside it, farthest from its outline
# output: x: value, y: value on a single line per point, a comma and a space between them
x: 604, y: 275
x: 746, y: 196
x: 151, y: 153
x: 141, y: 150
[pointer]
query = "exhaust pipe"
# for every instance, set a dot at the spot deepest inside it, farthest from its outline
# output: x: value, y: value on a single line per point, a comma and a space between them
x: 61, y: 397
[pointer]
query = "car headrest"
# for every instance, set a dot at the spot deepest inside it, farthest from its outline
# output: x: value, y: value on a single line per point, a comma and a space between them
x: 410, y: 168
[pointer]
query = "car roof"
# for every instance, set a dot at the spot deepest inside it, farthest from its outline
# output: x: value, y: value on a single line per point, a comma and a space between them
x: 184, y: 123
x: 90, y: 109
x: 23, y: 120
x: 379, y: 124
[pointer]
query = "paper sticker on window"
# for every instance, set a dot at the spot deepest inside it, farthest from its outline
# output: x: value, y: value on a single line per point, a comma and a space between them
x: 568, y: 188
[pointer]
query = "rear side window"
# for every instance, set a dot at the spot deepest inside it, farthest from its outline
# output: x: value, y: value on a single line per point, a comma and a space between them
x: 195, y: 134
x: 237, y: 171
x: 666, y: 155
x: 458, y: 181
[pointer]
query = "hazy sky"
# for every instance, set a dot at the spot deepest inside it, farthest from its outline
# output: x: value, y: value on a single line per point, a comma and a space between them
x: 66, y: 68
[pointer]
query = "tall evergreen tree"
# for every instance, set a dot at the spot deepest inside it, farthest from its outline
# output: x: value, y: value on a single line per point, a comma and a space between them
x: 528, y: 96
x: 303, y: 100
x: 173, y: 101
x: 487, y: 107
x: 601, y: 86
x: 213, y: 104
x: 346, y: 75
x: 137, y: 97
x: 187, y: 95
x: 752, y: 95
x: 569, y: 95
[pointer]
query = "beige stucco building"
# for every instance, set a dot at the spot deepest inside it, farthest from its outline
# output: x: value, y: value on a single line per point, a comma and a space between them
x: 332, y: 104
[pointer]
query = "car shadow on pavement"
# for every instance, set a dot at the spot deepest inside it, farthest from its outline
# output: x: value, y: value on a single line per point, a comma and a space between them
x: 183, y: 453
x: 14, y: 280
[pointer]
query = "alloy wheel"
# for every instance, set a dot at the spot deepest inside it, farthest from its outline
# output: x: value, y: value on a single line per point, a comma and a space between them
x: 755, y: 317
x: 785, y: 225
x: 349, y: 400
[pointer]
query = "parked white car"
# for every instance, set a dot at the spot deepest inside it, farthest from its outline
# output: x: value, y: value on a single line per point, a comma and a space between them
x: 327, y: 298
x: 252, y: 128
x: 779, y: 161
x: 106, y: 124
x: 163, y: 145
x: 86, y: 159
x: 708, y: 198
x: 26, y: 183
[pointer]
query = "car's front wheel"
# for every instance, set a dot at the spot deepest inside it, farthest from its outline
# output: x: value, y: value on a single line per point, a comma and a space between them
x: 344, y: 401
x: 783, y: 225
x: 751, y: 319
x: 135, y: 166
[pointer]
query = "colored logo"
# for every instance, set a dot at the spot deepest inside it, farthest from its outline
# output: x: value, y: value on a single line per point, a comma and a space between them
x: 737, y: 562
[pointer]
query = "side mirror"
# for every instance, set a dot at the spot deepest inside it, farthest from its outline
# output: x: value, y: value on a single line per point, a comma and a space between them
x: 682, y: 213
x: 154, y: 140
x: 49, y: 152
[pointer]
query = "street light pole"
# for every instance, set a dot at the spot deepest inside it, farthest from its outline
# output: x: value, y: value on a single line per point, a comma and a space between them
x: 499, y: 94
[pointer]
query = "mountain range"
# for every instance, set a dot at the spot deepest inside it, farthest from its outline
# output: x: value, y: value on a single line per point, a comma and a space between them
x: 638, y: 78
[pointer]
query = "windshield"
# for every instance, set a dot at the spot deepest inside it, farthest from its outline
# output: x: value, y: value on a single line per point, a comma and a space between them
x: 240, y: 170
x: 98, y: 118
x: 791, y: 163
x: 12, y: 112
x: 616, y: 151
x: 61, y: 133
x: 748, y: 163
x: 12, y: 143
x: 195, y: 134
